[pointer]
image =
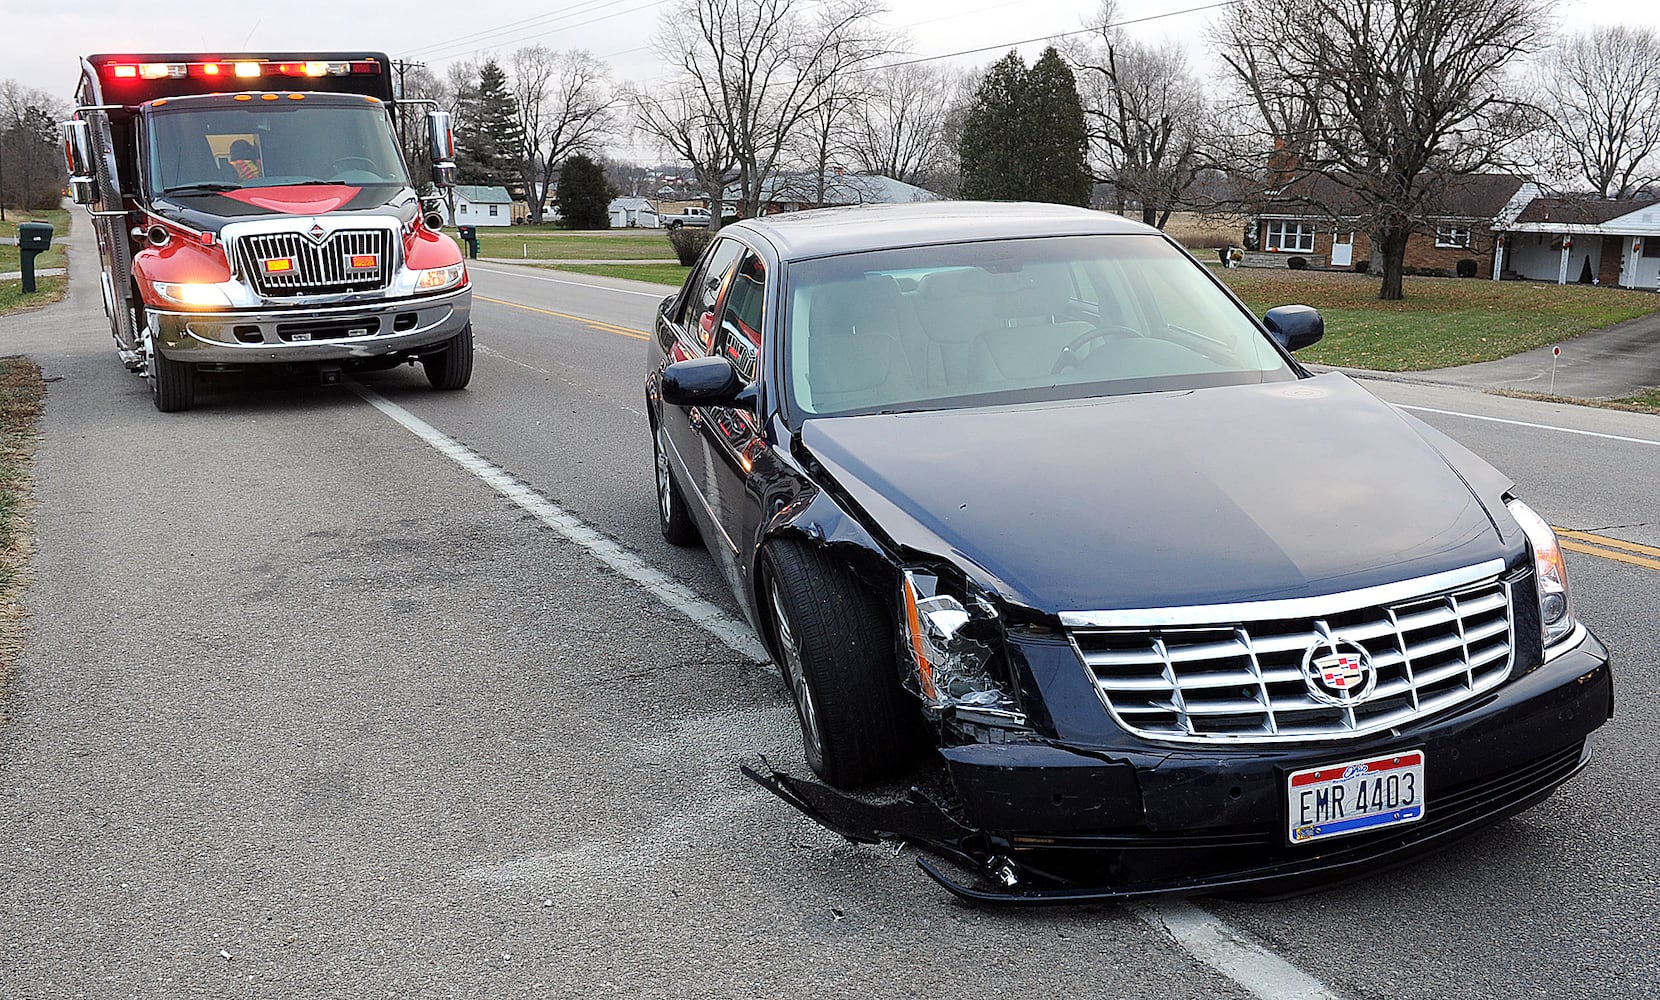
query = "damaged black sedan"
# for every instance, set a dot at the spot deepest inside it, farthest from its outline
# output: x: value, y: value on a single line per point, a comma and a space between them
x: 1022, y: 494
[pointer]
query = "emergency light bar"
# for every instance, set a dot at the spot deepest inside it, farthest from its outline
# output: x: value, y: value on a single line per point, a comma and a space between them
x: 241, y: 68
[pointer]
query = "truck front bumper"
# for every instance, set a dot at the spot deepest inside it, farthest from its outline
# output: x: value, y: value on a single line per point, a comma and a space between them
x: 329, y: 333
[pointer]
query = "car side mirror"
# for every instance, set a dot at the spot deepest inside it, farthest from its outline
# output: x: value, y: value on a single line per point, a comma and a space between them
x: 441, y: 148
x: 78, y: 158
x: 1295, y: 327
x: 705, y: 382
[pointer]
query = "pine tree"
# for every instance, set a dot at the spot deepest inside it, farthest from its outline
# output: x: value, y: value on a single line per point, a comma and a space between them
x: 1024, y: 139
x: 584, y: 194
x: 488, y: 140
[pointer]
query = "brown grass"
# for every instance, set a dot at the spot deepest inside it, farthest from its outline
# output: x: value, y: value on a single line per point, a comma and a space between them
x: 22, y: 395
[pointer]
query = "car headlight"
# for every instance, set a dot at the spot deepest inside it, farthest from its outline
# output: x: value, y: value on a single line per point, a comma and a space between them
x: 192, y: 295
x: 437, y: 279
x: 1555, y: 610
x: 955, y: 644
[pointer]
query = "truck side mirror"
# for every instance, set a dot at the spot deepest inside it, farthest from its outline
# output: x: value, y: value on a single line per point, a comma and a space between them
x: 77, y: 156
x: 441, y: 147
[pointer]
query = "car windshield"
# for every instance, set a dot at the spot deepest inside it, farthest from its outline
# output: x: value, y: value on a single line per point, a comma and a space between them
x: 270, y: 144
x: 1007, y: 321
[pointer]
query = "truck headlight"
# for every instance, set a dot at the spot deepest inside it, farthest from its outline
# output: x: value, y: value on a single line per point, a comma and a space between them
x: 192, y: 295
x: 955, y: 642
x: 1550, y: 569
x: 437, y: 279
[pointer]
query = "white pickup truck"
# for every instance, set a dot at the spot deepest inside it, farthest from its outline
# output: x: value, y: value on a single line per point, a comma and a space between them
x: 695, y: 216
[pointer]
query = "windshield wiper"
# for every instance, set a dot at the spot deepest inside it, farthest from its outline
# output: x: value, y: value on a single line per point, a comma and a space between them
x: 207, y: 187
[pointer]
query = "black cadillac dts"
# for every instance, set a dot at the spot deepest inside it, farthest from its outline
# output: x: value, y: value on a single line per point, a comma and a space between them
x: 1032, y: 512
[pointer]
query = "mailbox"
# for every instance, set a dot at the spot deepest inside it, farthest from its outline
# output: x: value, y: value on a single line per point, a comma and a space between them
x: 469, y: 236
x: 36, y: 236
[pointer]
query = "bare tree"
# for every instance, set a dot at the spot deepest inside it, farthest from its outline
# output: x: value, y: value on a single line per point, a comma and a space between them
x: 31, y: 165
x: 678, y: 119
x: 1602, y: 101
x: 416, y: 83
x: 1384, y: 98
x: 1147, y: 117
x: 902, y: 131
x: 566, y: 103
x: 759, y: 68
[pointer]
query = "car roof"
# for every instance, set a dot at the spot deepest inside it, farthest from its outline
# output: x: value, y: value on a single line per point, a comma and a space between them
x: 851, y: 229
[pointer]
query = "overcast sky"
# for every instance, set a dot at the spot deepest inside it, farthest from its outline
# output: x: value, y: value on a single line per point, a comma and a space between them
x: 46, y: 37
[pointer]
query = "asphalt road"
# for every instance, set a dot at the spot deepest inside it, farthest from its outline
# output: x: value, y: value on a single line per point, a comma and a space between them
x: 309, y: 710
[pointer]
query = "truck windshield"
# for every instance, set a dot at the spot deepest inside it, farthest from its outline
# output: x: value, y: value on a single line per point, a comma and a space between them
x: 270, y: 144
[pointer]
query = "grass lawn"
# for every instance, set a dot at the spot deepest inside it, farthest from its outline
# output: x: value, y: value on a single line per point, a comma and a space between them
x: 661, y: 274
x: 548, y: 243
x: 21, y: 395
x: 49, y: 289
x: 1442, y: 321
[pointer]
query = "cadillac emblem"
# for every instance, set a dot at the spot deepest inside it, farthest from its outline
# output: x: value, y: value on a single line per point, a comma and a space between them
x: 1339, y: 672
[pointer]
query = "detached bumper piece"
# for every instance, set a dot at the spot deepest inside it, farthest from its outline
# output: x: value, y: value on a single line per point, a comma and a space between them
x: 1024, y: 869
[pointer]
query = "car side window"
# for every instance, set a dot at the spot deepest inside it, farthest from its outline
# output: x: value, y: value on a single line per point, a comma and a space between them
x: 740, y: 321
x: 697, y: 315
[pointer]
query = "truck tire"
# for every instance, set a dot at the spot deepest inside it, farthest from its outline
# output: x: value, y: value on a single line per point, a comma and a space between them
x: 675, y: 223
x: 172, y: 383
x: 835, y: 641
x: 452, y: 368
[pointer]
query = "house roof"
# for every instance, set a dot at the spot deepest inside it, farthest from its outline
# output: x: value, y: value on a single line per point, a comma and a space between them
x: 1581, y: 211
x: 842, y: 189
x: 1458, y: 196
x: 631, y: 204
x: 481, y: 194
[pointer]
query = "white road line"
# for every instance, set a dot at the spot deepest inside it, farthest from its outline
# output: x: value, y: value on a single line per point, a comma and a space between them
x: 1524, y: 423
x: 659, y: 296
x: 1213, y: 942
x: 735, y: 634
x: 1203, y: 935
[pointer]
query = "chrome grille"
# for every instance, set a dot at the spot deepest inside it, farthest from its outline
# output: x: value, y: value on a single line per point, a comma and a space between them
x: 318, y: 268
x: 1244, y: 680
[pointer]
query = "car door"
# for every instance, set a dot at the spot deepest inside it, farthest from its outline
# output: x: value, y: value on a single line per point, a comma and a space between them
x: 734, y: 447
x: 688, y: 331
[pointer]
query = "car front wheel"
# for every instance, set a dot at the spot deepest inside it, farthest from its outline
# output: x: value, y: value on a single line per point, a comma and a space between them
x: 673, y: 519
x: 836, y: 651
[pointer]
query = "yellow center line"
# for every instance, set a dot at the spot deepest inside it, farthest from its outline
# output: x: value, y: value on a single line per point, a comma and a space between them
x: 1573, y: 546
x: 596, y: 324
x: 1613, y: 543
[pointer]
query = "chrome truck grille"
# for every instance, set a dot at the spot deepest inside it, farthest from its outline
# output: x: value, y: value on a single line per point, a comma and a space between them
x: 1295, y: 670
x: 316, y: 268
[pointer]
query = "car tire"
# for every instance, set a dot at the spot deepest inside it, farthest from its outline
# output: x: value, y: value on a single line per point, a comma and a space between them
x: 835, y: 643
x: 673, y: 519
x: 452, y: 368
x: 172, y: 383
x: 676, y: 224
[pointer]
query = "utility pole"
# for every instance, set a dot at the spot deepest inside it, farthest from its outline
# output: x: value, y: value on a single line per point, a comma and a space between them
x: 400, y: 67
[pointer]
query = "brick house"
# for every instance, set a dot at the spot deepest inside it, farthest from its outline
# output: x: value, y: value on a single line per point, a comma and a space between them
x: 1590, y: 240
x: 1322, y: 221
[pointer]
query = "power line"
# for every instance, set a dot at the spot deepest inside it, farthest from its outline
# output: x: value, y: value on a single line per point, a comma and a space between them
x: 450, y: 54
x: 447, y: 43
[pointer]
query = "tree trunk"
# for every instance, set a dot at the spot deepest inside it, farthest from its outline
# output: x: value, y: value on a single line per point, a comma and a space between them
x: 1393, y: 242
x: 1149, y: 215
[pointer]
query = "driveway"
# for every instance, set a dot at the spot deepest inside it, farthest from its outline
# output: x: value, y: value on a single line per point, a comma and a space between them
x: 1616, y: 361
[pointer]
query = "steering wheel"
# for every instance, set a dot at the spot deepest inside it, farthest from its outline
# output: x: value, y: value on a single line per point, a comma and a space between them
x: 339, y: 165
x: 1069, y: 354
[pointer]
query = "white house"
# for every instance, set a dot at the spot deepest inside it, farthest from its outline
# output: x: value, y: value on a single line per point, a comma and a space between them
x: 482, y: 206
x: 630, y: 212
x: 1593, y: 240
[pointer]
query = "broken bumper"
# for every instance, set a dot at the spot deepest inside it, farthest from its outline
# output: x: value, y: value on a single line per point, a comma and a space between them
x: 1040, y: 822
x: 331, y: 333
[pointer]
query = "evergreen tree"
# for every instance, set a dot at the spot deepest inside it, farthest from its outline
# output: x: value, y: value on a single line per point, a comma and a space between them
x: 584, y: 194
x: 489, y: 143
x: 1024, y: 139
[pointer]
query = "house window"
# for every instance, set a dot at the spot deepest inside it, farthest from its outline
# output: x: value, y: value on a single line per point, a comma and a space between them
x: 1452, y: 236
x: 492, y: 211
x: 1284, y: 235
x: 1651, y: 246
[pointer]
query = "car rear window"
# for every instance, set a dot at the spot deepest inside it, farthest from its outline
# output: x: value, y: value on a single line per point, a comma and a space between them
x: 1010, y: 321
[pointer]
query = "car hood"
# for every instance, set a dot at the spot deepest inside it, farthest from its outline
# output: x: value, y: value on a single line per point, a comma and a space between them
x: 1241, y: 493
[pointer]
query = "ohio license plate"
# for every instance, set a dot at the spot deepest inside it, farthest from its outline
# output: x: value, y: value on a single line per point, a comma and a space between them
x: 1355, y: 797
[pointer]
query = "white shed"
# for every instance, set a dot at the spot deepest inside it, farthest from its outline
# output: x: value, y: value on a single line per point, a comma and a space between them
x: 477, y: 205
x: 627, y: 213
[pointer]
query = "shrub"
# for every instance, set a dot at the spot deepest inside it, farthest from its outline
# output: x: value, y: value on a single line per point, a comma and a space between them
x: 688, y: 244
x: 1297, y: 263
x: 1363, y: 266
x: 1467, y: 268
x: 1426, y: 272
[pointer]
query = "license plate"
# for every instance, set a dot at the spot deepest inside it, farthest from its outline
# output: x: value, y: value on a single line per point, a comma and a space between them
x: 1356, y: 796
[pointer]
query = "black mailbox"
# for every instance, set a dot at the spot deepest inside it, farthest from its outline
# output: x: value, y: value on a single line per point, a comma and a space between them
x: 35, y: 236
x: 32, y: 239
x: 469, y: 236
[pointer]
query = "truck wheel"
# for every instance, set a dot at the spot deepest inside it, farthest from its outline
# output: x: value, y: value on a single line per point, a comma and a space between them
x: 172, y: 383
x: 836, y: 646
x: 676, y: 224
x: 673, y: 519
x: 452, y: 368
